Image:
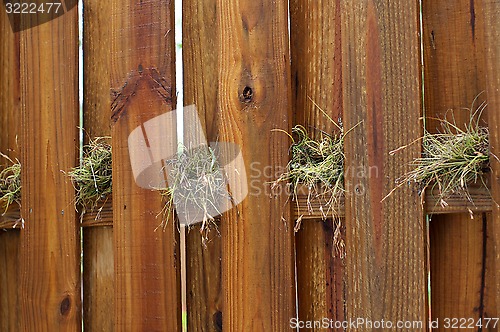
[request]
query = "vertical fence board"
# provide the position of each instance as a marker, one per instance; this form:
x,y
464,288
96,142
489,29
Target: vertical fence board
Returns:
x,y
200,58
10,123
492,54
386,265
453,78
317,76
98,254
49,282
9,300
147,280
456,262
254,99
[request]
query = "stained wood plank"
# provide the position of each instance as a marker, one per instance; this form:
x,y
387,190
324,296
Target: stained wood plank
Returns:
x,y
253,99
98,253
386,245
203,277
10,123
452,79
147,280
317,76
492,69
9,299
200,59
49,282
456,293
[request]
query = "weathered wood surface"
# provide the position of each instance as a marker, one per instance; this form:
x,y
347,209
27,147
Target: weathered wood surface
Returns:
x,y
49,273
386,247
98,253
147,269
10,123
317,79
452,80
253,99
200,57
492,69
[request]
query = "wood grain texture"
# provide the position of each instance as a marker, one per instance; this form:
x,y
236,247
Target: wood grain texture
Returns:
x,y
147,279
203,277
10,123
316,66
455,291
492,63
98,253
386,247
200,59
9,277
49,282
452,79
254,99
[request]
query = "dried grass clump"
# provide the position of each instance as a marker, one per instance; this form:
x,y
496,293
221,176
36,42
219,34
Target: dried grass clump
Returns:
x,y
10,184
93,178
451,159
317,164
196,184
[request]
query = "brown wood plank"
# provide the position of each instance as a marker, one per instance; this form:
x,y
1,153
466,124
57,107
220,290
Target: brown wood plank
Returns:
x,y
386,247
200,58
9,278
49,283
455,291
203,277
147,279
317,76
254,99
10,123
98,253
452,79
492,69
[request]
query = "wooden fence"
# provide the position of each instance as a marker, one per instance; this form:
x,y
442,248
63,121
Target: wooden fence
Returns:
x,y
249,72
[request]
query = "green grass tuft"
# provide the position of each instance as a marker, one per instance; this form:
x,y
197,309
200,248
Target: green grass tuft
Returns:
x,y
10,184
317,164
451,159
93,178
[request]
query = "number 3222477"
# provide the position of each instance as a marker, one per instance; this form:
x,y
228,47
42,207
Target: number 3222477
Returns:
x,y
464,323
32,8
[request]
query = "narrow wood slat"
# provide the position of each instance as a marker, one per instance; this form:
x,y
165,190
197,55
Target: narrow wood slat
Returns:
x,y
254,99
147,279
98,253
317,79
49,282
452,80
10,127
386,247
200,60
492,69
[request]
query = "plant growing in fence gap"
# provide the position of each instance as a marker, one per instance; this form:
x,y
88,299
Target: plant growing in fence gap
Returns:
x,y
10,183
10,192
93,178
452,159
197,187
317,165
